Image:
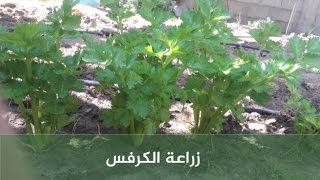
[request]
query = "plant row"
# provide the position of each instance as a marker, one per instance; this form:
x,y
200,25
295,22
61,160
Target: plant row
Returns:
x,y
145,65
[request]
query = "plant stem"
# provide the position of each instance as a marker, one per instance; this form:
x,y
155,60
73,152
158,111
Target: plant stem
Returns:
x,y
132,129
139,136
29,69
40,109
262,49
203,122
37,125
216,117
26,117
120,25
196,120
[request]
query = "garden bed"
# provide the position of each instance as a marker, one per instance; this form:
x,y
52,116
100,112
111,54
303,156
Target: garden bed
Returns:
x,y
88,121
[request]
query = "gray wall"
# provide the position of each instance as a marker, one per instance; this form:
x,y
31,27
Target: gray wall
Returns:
x,y
305,15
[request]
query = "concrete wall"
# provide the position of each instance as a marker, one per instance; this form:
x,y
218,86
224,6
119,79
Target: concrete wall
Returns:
x,y
305,15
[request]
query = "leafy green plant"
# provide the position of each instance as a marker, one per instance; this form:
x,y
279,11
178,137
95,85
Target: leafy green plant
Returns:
x,y
220,83
139,63
306,54
248,75
229,81
120,10
33,68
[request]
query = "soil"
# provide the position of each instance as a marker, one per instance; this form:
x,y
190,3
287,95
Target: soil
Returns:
x,y
93,103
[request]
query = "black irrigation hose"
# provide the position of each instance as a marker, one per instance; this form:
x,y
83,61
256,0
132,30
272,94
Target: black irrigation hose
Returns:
x,y
94,33
262,111
246,46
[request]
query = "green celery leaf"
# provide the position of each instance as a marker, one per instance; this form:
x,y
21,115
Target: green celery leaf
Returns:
x,y
105,74
297,46
133,79
261,97
139,105
313,46
54,107
16,89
